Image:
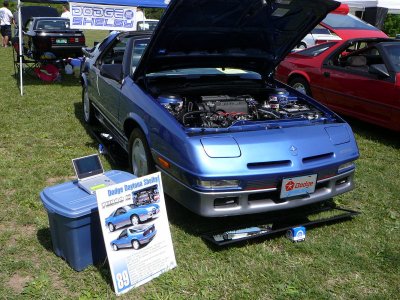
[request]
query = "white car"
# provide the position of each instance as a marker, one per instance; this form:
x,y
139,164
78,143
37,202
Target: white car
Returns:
x,y
317,36
148,24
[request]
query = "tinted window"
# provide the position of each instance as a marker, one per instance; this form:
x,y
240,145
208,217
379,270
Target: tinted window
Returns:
x,y
138,49
52,24
115,54
346,21
316,50
146,25
393,52
320,30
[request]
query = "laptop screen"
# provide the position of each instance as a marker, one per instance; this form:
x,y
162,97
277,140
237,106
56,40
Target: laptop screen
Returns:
x,y
87,166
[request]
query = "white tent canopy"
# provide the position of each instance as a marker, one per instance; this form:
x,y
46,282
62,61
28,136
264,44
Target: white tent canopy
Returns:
x,y
360,4
392,5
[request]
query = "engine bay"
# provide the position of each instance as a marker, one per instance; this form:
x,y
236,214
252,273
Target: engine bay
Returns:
x,y
225,110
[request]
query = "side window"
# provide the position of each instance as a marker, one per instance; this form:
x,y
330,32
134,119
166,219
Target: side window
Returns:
x,y
139,46
28,25
115,54
358,57
316,50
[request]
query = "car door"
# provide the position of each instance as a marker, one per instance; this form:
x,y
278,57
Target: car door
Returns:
x,y
123,239
350,88
130,94
108,90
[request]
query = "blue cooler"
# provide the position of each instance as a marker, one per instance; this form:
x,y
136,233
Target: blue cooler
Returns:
x,y
74,222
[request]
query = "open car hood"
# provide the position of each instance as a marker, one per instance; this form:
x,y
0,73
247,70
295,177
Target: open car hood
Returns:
x,y
253,35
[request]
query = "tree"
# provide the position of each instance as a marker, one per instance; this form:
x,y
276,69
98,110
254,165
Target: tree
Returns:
x,y
392,25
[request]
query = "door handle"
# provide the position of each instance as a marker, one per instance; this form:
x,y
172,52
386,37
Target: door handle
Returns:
x,y
327,74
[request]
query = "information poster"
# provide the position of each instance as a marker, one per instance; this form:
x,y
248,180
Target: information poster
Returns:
x,y
136,231
103,17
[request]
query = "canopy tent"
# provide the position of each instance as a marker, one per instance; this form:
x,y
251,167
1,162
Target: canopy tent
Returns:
x,y
392,5
360,4
136,3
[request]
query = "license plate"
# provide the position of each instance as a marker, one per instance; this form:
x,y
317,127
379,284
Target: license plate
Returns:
x,y
297,186
61,41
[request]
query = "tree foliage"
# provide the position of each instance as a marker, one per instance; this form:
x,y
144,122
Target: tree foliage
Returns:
x,y
392,25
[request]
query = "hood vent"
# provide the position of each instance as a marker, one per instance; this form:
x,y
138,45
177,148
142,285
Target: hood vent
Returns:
x,y
269,164
317,158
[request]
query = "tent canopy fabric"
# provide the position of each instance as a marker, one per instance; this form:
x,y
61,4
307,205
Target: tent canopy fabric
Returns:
x,y
140,3
392,5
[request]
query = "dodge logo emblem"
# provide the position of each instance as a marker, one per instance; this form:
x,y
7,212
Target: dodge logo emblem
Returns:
x,y
293,150
289,185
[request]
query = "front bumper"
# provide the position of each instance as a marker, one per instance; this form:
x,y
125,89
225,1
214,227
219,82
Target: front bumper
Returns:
x,y
213,204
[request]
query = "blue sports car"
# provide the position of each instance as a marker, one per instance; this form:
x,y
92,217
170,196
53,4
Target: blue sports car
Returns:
x,y
131,215
134,237
197,100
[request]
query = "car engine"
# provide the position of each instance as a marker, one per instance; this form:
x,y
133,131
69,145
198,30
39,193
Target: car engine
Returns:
x,y
222,111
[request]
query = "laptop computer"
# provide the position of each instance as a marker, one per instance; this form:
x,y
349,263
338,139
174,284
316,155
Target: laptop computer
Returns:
x,y
90,173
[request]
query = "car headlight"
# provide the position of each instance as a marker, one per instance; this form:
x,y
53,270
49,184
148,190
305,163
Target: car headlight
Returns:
x,y
346,166
217,184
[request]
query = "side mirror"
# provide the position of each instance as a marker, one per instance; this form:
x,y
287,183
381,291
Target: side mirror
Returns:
x,y
379,70
112,71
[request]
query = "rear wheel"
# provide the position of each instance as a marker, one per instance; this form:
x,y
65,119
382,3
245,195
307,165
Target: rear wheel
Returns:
x,y
301,46
88,110
134,220
140,159
135,244
300,84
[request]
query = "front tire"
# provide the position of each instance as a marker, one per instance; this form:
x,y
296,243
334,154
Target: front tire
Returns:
x,y
111,227
115,247
140,160
88,110
300,84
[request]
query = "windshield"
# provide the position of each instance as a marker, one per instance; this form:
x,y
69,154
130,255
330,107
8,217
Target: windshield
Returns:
x,y
52,24
346,21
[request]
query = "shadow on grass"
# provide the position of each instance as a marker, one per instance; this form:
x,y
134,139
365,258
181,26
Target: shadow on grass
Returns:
x,y
375,133
30,79
198,226
44,238
116,157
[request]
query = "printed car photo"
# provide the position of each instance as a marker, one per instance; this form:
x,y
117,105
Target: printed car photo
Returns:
x,y
131,215
146,196
134,237
356,77
197,100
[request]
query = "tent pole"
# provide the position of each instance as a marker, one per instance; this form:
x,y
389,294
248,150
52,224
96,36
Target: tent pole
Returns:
x,y
20,48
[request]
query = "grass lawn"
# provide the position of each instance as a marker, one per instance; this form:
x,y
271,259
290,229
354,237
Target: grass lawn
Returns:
x,y
42,131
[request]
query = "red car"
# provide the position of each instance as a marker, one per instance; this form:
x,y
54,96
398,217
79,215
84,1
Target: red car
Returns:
x,y
359,77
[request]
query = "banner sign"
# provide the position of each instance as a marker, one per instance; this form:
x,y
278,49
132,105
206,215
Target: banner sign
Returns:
x,y
96,16
136,231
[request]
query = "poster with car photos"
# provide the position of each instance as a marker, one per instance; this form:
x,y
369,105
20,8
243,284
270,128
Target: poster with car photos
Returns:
x,y
136,231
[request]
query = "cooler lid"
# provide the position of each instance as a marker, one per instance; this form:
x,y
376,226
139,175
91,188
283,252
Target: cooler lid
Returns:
x,y
69,200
